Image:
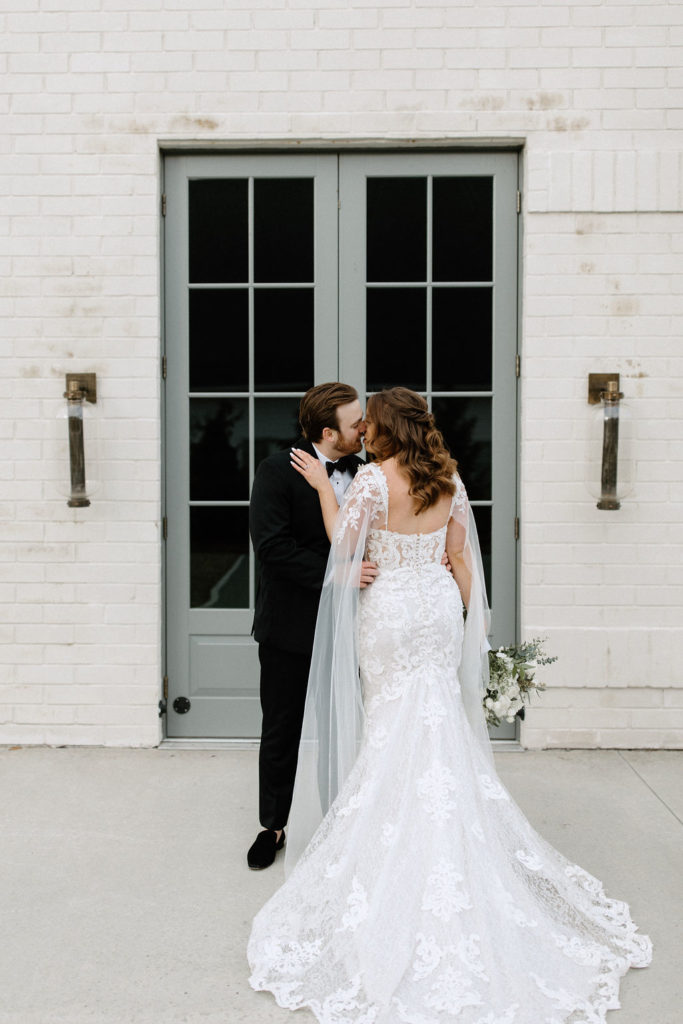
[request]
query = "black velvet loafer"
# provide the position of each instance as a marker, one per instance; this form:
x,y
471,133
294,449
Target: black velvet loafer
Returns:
x,y
262,851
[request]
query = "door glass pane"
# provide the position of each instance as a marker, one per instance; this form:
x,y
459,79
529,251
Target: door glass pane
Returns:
x,y
462,225
482,519
219,557
218,247
283,339
461,339
397,229
276,425
219,449
396,338
466,426
283,229
219,339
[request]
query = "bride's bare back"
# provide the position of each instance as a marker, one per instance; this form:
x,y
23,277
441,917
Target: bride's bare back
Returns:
x,y
402,518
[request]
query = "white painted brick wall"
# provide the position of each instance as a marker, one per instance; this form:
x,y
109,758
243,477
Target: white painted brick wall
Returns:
x,y
92,87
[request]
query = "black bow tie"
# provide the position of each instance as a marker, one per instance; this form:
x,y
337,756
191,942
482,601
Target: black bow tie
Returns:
x,y
347,462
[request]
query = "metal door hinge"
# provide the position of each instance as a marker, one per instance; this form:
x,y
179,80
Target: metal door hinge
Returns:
x,y
516,527
518,366
519,201
164,367
163,703
164,532
163,204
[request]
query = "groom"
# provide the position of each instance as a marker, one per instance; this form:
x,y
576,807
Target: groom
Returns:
x,y
291,546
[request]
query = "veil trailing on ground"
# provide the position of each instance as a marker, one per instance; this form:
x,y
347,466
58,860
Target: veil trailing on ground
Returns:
x,y
334,717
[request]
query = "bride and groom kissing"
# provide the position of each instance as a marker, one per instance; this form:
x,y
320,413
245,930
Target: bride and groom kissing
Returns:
x,y
416,890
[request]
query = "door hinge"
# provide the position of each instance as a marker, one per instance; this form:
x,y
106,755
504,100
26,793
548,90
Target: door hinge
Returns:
x,y
519,201
164,528
163,703
516,527
164,367
518,365
163,204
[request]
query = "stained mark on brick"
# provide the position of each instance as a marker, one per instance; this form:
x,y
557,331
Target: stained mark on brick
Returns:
x,y
587,225
484,103
563,124
185,123
624,305
545,101
635,371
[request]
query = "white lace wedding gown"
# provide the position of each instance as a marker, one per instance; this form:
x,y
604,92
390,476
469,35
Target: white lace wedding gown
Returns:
x,y
425,896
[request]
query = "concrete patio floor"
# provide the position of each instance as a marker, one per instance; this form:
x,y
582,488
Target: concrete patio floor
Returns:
x,y
125,897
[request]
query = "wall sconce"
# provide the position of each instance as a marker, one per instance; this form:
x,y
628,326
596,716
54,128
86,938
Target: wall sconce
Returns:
x,y
610,465
81,436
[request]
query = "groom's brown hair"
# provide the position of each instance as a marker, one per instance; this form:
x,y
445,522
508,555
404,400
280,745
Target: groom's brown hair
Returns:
x,y
319,406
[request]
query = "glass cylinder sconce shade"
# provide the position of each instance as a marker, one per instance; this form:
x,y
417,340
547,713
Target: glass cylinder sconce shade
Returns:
x,y
77,444
610,465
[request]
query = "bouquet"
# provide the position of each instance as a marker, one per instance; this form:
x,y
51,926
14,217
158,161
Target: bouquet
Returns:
x,y
511,671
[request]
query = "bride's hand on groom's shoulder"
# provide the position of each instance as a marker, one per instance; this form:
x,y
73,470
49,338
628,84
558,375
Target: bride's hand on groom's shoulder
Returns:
x,y
310,468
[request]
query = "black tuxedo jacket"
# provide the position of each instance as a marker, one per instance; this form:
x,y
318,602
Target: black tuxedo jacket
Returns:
x,y
288,534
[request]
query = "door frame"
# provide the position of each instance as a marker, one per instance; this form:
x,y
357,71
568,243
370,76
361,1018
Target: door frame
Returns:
x,y
513,145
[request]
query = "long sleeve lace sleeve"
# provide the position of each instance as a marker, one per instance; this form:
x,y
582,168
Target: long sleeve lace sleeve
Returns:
x,y
334,715
364,508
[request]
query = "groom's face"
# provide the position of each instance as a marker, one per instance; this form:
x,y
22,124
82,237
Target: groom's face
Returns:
x,y
348,439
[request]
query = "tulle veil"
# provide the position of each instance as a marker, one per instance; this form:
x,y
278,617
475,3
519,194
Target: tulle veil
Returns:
x,y
334,718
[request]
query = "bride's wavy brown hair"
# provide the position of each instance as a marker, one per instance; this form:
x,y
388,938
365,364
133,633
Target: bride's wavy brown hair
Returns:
x,y
405,429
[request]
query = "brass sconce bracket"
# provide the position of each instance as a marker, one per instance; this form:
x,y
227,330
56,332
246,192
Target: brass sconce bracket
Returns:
x,y
597,383
85,383
80,388
604,387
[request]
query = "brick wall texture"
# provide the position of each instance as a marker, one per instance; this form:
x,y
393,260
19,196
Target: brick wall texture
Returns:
x,y
93,89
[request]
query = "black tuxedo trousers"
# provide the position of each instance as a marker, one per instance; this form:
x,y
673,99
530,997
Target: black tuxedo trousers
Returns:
x,y
291,546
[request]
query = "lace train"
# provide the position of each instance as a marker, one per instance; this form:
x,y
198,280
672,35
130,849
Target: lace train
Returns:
x,y
425,895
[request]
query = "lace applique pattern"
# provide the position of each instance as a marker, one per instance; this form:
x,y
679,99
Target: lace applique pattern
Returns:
x,y
452,991
434,789
336,1009
493,790
433,712
366,493
530,860
460,497
354,801
444,894
478,831
357,902
427,957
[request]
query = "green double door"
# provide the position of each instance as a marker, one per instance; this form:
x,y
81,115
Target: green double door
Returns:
x,y
282,271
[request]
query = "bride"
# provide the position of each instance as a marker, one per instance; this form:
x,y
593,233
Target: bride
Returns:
x,y
416,889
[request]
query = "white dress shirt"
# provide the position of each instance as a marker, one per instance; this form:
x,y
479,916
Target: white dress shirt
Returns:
x,y
340,481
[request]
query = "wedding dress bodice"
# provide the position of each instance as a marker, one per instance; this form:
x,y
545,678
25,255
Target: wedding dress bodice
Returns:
x,y
393,550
